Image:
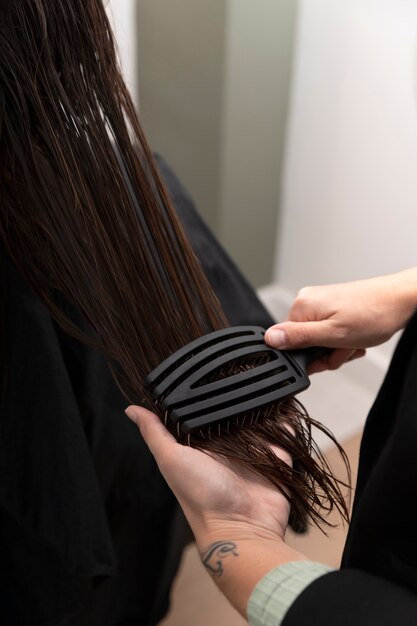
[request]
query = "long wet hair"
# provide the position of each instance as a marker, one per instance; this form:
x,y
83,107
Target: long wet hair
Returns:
x,y
86,218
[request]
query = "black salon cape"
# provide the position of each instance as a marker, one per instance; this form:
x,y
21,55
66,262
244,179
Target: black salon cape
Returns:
x,y
377,585
88,527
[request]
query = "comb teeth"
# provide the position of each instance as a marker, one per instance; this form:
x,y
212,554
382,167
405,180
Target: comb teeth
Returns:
x,y
178,383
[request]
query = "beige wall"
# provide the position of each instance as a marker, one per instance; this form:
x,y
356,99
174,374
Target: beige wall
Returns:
x,y
258,69
213,91
181,52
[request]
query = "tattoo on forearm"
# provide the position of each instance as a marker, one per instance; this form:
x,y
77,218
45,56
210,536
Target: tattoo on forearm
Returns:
x,y
212,558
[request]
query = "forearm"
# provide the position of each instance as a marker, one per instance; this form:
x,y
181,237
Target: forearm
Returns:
x,y
404,292
238,562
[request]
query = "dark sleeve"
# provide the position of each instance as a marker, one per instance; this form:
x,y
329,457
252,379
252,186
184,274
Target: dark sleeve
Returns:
x,y
353,598
237,297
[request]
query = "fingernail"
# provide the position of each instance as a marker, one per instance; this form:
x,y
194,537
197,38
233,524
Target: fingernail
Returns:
x,y
276,338
131,414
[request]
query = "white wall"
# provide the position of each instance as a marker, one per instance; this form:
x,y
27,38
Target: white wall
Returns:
x,y
349,202
122,14
349,207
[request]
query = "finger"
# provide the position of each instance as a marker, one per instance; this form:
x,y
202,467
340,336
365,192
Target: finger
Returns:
x,y
290,335
338,357
156,436
330,362
335,360
317,367
358,354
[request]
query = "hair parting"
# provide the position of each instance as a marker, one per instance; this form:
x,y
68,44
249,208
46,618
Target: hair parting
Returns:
x,y
86,218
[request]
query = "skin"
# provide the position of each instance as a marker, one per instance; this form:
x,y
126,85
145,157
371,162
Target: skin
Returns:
x,y
348,317
239,521
225,506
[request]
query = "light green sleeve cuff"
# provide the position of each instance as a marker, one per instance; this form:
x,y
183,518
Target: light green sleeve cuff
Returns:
x,y
274,594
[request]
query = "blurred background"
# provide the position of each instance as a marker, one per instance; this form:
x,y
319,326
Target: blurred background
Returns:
x,y
293,125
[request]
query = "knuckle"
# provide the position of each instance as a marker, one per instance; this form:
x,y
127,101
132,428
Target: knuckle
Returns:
x,y
303,294
303,304
299,304
306,290
340,331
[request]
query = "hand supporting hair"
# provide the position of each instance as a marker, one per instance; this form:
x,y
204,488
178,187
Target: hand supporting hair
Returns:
x,y
238,520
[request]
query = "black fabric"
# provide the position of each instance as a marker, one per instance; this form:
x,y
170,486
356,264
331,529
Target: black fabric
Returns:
x,y
381,547
382,535
353,598
90,535
236,296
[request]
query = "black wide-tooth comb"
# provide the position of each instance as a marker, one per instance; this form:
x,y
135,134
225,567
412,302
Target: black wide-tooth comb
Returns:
x,y
185,388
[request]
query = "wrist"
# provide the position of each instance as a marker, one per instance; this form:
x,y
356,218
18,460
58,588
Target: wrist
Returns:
x,y
408,290
237,562
212,529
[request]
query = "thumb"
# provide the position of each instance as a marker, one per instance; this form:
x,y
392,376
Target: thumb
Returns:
x,y
156,436
292,335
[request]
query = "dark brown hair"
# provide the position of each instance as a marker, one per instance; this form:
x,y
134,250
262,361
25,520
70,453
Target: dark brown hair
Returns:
x,y
86,218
